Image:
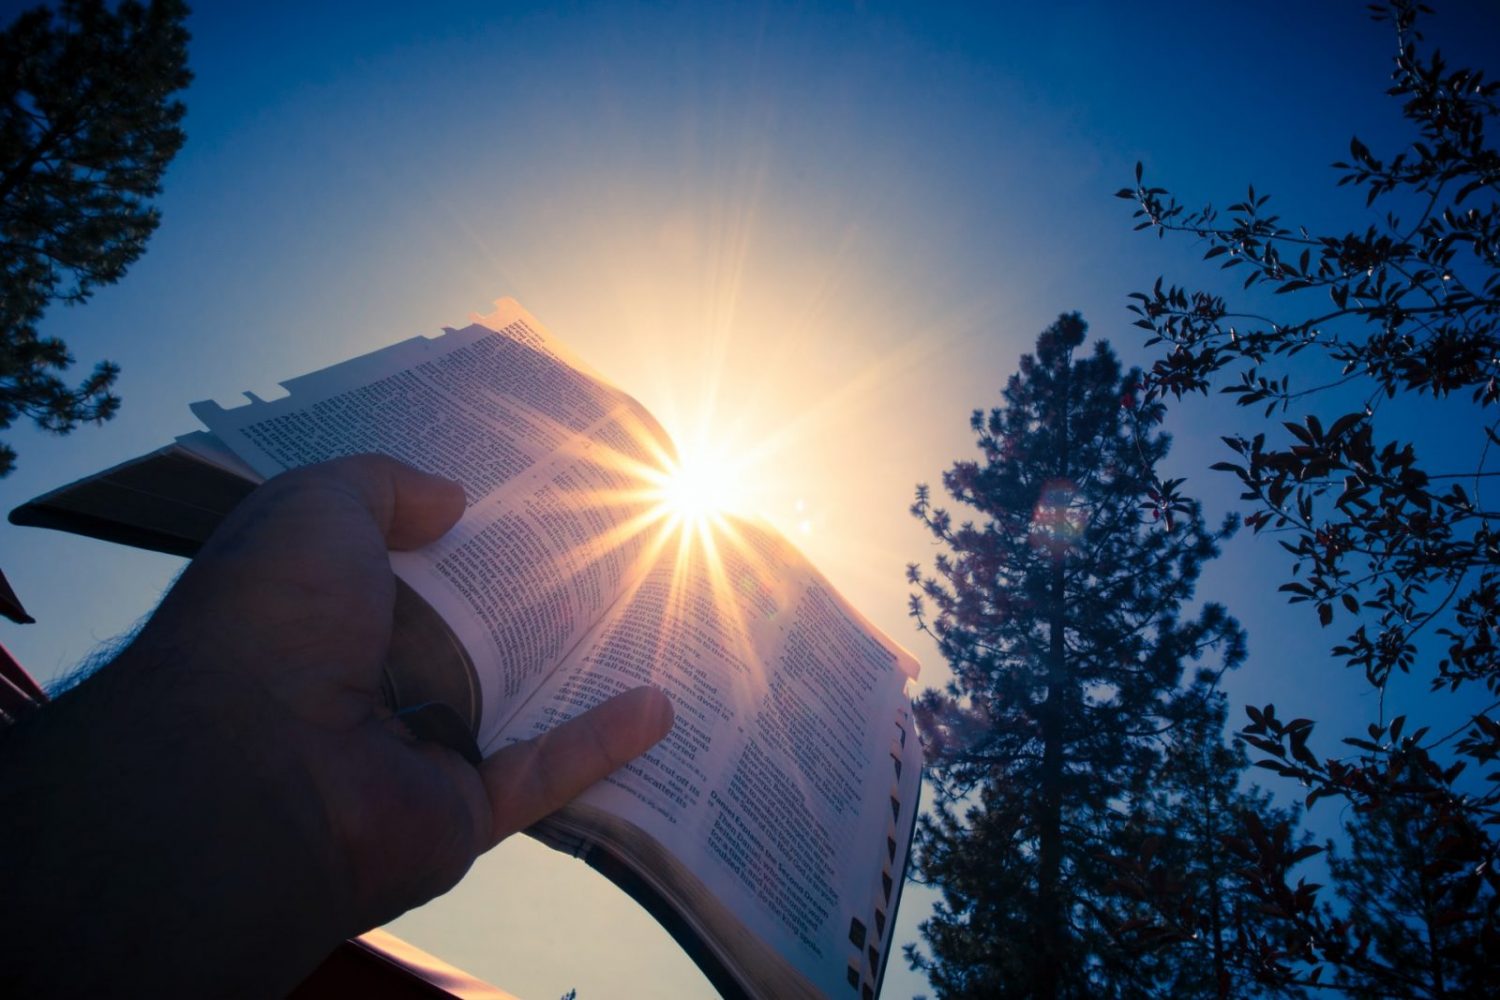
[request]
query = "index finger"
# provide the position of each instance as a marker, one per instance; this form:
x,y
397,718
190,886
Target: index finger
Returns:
x,y
529,780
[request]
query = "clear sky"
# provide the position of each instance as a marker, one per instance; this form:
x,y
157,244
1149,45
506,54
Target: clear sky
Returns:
x,y
818,233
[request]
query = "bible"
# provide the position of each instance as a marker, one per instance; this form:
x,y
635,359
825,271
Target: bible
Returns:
x,y
769,831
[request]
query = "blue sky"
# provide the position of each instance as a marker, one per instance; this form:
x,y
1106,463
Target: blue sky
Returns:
x,y
834,226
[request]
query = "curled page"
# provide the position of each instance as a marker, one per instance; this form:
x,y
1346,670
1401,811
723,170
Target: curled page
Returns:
x,y
556,465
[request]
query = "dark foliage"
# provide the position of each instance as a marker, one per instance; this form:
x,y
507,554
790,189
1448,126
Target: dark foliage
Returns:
x,y
1184,861
1402,901
88,125
1060,611
1404,305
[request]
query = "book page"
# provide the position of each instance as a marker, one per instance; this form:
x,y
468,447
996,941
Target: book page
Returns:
x,y
556,464
788,782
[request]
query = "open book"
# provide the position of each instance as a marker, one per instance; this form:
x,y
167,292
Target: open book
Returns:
x,y
769,831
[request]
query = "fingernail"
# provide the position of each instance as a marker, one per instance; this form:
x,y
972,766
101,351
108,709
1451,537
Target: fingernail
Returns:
x,y
662,714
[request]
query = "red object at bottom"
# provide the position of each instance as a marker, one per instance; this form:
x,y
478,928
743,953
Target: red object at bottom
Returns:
x,y
380,966
19,694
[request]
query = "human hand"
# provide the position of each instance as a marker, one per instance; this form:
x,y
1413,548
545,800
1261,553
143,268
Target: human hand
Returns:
x,y
262,668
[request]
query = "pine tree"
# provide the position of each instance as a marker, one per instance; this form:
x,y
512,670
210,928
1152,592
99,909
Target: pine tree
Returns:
x,y
88,125
1060,611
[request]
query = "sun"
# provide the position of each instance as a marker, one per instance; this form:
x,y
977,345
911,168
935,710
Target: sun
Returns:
x,y
700,487
695,491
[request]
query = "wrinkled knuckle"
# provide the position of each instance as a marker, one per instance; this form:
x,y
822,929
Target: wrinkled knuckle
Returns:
x,y
606,750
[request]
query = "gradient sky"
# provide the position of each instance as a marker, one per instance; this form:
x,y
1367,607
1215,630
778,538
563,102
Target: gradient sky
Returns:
x,y
819,232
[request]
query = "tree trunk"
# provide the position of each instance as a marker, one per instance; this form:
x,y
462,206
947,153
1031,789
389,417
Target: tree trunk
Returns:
x,y
1216,918
1434,960
1049,870
1052,932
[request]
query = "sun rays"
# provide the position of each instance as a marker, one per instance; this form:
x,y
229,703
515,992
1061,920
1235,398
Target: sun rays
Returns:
x,y
666,509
